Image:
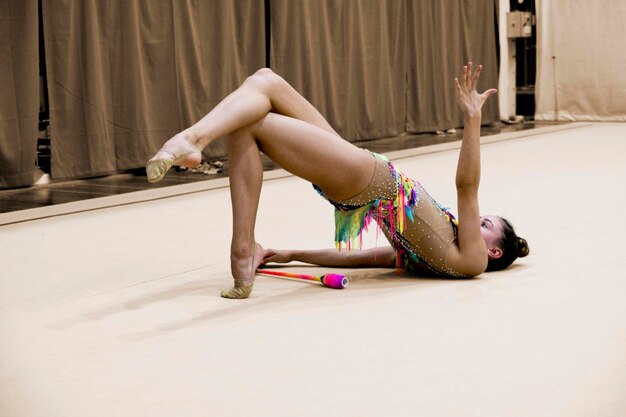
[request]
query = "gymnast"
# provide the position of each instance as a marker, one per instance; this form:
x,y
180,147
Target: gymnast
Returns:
x,y
265,114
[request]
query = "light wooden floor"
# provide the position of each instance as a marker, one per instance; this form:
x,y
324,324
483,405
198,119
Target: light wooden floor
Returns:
x,y
116,311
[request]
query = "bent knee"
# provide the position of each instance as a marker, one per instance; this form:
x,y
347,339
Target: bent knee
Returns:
x,y
264,72
264,79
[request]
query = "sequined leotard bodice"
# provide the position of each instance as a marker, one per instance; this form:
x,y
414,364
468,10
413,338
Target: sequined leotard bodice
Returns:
x,y
420,230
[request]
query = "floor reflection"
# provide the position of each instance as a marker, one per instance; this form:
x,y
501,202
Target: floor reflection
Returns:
x,y
65,192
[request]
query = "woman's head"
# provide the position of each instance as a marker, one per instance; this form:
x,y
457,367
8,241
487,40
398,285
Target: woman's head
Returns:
x,y
503,245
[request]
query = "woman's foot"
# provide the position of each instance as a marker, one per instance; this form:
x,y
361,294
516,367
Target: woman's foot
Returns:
x,y
179,150
245,270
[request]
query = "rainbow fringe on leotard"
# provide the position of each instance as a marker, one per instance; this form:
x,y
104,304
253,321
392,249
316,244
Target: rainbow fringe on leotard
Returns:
x,y
353,219
351,223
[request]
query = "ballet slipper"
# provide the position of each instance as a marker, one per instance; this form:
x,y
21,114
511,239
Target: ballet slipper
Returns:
x,y
177,151
239,291
243,286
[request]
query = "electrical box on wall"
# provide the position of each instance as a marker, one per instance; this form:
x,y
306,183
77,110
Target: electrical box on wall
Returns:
x,y
518,25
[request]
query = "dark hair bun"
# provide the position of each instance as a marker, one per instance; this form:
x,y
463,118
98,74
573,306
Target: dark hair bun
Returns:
x,y
522,246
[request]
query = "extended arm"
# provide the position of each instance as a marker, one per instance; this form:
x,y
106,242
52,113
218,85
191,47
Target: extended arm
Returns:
x,y
472,256
383,257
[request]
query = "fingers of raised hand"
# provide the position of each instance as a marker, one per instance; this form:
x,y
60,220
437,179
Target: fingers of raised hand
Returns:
x,y
475,76
467,69
469,78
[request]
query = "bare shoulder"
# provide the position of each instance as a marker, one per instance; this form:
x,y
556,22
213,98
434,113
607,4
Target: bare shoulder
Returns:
x,y
470,262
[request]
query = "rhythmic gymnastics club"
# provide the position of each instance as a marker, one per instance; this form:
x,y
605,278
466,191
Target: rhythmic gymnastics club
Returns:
x,y
329,280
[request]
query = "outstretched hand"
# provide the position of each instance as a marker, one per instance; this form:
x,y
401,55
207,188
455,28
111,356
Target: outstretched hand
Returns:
x,y
276,256
466,95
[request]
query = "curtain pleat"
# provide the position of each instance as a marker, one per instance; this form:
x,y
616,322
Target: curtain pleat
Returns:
x,y
442,36
347,58
376,52
125,76
19,101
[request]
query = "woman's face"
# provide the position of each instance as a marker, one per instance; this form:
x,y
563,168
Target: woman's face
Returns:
x,y
491,228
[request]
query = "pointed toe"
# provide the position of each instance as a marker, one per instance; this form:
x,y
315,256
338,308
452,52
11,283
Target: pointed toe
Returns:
x,y
156,169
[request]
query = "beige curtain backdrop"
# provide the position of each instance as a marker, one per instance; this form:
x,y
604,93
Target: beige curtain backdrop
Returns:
x,y
381,68
347,58
124,76
442,36
581,57
19,100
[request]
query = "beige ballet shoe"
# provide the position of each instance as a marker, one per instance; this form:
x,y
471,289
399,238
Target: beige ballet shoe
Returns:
x,y
243,286
156,168
239,291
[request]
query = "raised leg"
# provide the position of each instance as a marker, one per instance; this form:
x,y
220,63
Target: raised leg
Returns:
x,y
261,93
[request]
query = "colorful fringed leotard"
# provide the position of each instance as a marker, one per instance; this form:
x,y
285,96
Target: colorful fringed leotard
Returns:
x,y
420,230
